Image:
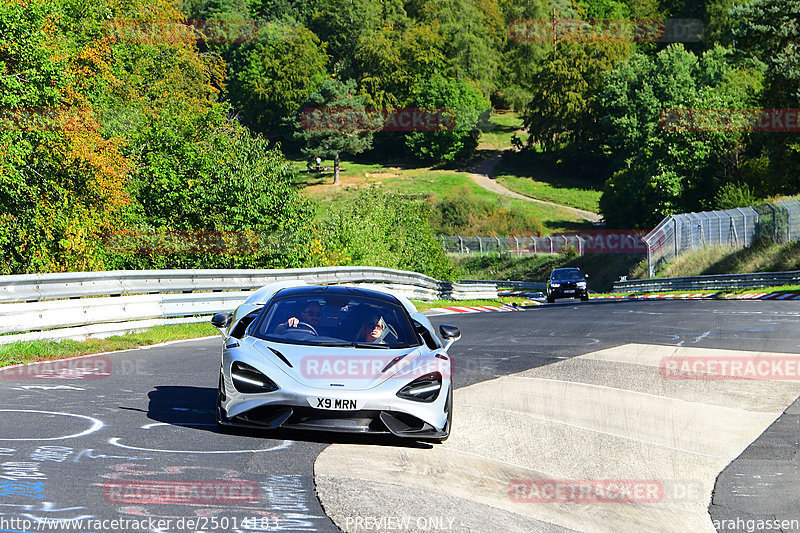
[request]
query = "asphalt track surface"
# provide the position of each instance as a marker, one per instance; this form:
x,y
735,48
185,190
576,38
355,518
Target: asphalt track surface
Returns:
x,y
137,439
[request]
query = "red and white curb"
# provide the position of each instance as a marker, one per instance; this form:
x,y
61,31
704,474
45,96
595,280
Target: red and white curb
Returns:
x,y
706,296
460,310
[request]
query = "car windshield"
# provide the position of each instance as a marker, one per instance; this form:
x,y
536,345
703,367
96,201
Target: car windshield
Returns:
x,y
566,275
335,320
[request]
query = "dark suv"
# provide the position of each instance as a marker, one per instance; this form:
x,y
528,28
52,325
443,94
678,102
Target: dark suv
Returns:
x,y
567,283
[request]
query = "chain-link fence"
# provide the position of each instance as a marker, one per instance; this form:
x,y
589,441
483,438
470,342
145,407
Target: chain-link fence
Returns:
x,y
590,241
737,228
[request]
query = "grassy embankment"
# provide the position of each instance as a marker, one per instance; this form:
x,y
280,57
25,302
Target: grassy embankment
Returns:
x,y
27,352
440,184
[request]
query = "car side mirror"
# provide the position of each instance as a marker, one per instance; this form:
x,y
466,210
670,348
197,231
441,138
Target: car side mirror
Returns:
x,y
450,334
221,320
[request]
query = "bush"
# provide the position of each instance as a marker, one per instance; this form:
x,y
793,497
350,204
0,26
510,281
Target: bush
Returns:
x,y
463,213
733,195
379,228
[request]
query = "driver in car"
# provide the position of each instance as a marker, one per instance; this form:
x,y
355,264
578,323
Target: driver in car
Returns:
x,y
311,315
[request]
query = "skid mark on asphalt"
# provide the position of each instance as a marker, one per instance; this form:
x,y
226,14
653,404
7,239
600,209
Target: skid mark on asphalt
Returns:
x,y
603,416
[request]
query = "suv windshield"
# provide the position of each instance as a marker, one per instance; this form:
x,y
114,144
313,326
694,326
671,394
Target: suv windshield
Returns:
x,y
334,320
566,275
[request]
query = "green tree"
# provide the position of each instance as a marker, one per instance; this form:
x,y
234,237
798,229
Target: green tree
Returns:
x,y
271,78
334,121
565,107
462,106
670,147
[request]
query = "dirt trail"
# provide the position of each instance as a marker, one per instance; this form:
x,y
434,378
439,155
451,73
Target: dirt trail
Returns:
x,y
480,174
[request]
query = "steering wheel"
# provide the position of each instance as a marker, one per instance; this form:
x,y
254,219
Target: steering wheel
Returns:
x,y
307,327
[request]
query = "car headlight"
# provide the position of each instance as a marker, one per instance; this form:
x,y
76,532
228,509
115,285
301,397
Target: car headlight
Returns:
x,y
248,380
424,389
555,284
582,284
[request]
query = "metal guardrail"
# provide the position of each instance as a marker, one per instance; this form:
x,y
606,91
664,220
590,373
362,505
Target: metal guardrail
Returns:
x,y
74,305
502,284
716,283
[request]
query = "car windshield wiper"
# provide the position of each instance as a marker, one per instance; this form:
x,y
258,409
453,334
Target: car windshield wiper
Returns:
x,y
330,343
370,345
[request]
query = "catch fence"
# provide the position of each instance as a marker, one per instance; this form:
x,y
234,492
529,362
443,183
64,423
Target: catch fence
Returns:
x,y
737,228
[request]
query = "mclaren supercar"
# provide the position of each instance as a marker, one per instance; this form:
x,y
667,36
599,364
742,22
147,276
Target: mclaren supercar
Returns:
x,y
334,358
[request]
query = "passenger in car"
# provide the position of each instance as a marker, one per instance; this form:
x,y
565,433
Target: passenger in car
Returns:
x,y
373,330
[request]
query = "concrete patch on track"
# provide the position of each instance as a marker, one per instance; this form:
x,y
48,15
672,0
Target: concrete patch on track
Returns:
x,y
549,448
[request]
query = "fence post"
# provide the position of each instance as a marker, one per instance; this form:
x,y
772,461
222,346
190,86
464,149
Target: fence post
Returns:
x,y
461,244
499,248
677,236
517,241
480,245
774,223
534,244
550,238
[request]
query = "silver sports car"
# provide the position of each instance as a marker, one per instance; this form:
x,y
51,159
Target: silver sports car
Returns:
x,y
334,358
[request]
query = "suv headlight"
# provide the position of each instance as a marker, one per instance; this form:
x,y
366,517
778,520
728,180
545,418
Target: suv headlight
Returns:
x,y
555,284
582,284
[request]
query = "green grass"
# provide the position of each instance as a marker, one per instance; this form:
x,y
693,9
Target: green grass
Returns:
x,y
28,352
533,174
425,305
559,193
502,128
427,182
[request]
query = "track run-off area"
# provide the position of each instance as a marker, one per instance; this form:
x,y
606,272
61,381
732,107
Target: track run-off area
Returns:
x,y
573,416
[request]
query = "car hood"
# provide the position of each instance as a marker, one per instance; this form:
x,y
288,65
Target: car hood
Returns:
x,y
335,368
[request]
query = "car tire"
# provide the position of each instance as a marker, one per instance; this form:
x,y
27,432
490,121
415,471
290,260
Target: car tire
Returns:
x,y
550,299
221,415
585,298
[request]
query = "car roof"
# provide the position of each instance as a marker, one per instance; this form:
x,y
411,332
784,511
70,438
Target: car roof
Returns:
x,y
336,290
566,269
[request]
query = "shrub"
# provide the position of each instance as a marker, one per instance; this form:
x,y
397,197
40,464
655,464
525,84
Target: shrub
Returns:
x,y
733,195
379,228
